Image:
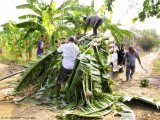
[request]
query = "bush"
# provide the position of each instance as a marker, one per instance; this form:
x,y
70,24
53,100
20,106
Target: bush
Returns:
x,y
144,83
146,43
156,64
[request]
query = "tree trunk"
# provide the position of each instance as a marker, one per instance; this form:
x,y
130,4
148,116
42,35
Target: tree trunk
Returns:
x,y
30,55
26,53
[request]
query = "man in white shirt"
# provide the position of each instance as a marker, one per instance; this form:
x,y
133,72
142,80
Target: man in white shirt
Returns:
x,y
69,52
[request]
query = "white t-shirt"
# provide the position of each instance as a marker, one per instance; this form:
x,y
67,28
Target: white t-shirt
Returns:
x,y
70,52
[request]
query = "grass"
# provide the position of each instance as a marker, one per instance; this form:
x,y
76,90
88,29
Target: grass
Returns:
x,y
156,64
7,57
141,53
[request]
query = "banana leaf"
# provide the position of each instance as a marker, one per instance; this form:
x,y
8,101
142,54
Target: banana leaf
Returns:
x,y
145,100
87,92
36,73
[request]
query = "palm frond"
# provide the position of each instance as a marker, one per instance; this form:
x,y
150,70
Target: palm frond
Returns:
x,y
31,16
28,32
29,24
31,7
117,33
149,101
125,112
88,86
64,4
75,8
30,76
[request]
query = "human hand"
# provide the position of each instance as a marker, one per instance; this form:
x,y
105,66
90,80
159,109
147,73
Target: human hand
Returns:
x,y
49,45
121,64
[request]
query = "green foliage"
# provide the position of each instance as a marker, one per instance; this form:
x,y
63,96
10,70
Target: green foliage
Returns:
x,y
9,38
30,6
35,22
146,43
148,40
117,33
88,88
34,73
144,83
55,22
88,75
66,20
150,9
145,40
108,4
156,64
8,57
140,99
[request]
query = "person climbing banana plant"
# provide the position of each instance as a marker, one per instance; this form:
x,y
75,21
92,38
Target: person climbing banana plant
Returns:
x,y
70,52
94,21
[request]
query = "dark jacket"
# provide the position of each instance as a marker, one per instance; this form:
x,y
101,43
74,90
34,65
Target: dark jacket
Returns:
x,y
91,20
94,21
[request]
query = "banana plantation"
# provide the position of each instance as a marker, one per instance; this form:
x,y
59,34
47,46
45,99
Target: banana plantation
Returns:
x,y
88,92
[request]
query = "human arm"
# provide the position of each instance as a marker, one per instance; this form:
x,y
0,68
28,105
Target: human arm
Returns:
x,y
85,29
86,26
139,60
60,49
42,46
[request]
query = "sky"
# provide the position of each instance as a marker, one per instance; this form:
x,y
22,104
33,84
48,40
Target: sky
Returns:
x,y
121,14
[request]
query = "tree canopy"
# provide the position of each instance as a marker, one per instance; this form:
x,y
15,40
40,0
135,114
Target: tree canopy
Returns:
x,y
150,9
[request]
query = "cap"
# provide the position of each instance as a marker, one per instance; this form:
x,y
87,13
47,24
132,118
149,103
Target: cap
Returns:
x,y
71,39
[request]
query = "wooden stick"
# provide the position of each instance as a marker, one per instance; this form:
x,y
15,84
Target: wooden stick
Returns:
x,y
11,75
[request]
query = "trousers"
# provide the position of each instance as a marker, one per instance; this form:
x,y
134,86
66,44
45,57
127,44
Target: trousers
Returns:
x,y
129,71
97,24
64,75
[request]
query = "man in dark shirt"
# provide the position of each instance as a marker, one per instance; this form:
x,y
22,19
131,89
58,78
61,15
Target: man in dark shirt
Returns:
x,y
41,47
94,21
130,57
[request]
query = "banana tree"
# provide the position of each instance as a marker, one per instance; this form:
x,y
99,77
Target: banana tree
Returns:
x,y
51,19
9,36
76,14
32,22
88,89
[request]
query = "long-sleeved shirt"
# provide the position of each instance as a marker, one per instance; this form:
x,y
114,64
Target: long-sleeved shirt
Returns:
x,y
91,20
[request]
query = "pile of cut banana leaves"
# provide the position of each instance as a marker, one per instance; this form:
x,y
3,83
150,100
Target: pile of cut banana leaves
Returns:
x,y
87,92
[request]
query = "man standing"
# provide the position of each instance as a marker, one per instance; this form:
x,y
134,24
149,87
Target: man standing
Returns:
x,y
130,57
94,21
69,52
41,46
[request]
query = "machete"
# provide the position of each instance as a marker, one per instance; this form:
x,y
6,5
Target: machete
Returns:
x,y
144,69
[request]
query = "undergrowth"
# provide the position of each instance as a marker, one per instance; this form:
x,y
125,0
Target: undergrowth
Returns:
x,y
156,64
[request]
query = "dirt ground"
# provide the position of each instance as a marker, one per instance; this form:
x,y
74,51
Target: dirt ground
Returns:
x,y
30,111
